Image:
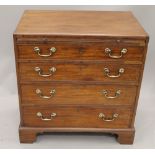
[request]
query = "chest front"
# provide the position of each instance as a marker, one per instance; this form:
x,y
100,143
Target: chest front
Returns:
x,y
79,75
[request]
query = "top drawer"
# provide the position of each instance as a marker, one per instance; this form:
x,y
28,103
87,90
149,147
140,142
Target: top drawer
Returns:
x,y
80,51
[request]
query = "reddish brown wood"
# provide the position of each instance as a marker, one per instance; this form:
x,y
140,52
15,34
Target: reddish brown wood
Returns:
x,y
27,136
77,94
69,116
140,81
124,136
80,59
78,50
79,71
80,23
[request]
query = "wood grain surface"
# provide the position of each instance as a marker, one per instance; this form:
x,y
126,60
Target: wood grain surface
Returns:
x,y
78,94
89,23
69,116
66,71
85,51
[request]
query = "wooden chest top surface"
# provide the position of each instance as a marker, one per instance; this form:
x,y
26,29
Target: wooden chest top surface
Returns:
x,y
80,23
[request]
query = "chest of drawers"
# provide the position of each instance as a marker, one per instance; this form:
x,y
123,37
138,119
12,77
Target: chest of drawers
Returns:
x,y
79,71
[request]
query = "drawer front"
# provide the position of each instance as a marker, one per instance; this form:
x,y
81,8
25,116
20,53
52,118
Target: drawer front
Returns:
x,y
89,51
80,117
43,94
86,72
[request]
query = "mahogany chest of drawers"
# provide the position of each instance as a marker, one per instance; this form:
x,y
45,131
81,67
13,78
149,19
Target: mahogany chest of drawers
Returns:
x,y
79,71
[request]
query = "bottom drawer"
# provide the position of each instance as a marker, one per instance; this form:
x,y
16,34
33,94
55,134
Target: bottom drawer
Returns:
x,y
79,117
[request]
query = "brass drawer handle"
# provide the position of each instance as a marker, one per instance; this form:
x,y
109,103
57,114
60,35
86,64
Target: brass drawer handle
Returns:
x,y
108,119
51,51
117,94
39,93
107,73
109,52
40,72
39,114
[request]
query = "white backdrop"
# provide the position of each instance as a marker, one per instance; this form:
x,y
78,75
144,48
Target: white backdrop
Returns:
x,y
9,17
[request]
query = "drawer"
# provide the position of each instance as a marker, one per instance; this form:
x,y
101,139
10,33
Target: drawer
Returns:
x,y
75,50
83,71
77,94
78,117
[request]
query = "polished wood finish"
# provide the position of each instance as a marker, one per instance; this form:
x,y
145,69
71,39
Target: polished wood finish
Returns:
x,y
79,78
78,50
66,71
84,117
28,134
126,137
96,23
77,94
